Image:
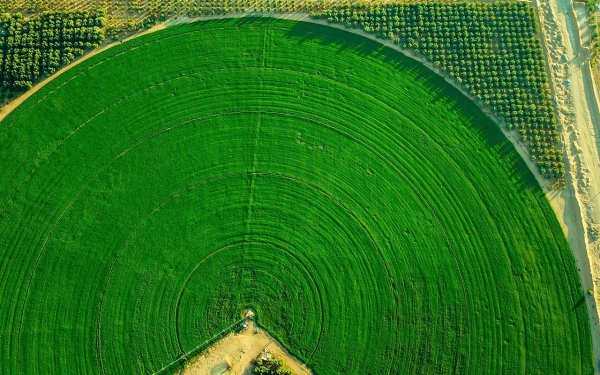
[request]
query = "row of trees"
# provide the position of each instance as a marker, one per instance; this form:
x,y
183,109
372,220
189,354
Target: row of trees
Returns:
x,y
34,47
489,48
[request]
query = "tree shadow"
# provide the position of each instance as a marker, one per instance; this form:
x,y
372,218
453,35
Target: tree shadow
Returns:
x,y
483,126
580,302
452,98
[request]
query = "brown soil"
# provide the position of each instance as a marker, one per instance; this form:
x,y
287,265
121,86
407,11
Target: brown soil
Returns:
x,y
234,354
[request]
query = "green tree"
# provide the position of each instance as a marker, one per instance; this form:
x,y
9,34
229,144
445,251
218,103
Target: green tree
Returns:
x,y
271,366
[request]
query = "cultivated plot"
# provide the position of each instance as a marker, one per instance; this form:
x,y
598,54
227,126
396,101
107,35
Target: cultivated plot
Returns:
x,y
375,219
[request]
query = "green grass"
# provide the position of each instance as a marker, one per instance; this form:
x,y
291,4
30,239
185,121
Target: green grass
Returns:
x,y
472,43
376,220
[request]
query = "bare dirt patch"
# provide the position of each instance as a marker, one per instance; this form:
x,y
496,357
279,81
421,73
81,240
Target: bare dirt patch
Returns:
x,y
234,354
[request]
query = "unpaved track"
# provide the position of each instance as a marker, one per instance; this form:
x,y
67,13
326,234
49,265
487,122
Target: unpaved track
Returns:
x,y
578,207
565,33
15,103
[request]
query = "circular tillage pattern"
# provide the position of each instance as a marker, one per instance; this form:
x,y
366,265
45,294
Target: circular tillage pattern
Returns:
x,y
375,220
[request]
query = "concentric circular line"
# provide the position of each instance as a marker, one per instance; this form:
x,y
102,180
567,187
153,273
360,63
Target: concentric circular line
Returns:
x,y
236,243
183,76
451,185
363,226
312,120
347,134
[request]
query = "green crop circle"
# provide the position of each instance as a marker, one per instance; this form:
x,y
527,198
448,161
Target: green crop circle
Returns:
x,y
373,217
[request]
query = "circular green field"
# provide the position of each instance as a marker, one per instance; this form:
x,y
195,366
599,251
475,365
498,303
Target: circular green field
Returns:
x,y
375,219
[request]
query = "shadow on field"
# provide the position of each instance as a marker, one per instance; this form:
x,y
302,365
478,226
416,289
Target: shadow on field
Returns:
x,y
579,303
484,127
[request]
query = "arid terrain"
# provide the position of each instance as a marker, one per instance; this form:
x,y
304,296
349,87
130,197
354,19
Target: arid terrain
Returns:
x,y
234,354
578,208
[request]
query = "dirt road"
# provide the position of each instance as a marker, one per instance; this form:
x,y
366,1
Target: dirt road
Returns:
x,y
566,35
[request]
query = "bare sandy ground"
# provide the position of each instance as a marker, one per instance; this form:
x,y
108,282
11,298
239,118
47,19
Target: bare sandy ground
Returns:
x,y
233,355
566,37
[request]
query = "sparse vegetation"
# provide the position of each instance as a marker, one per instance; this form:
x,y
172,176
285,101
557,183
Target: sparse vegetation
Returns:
x,y
591,8
271,366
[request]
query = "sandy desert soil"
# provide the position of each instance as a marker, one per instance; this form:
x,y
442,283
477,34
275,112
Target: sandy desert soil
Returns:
x,y
566,35
233,355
